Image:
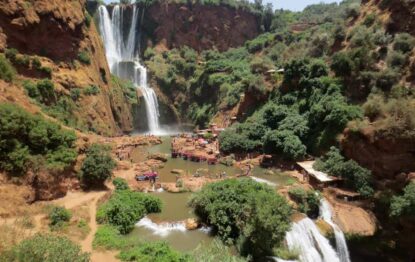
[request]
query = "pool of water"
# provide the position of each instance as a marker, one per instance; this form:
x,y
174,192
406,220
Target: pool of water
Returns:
x,y
169,224
189,167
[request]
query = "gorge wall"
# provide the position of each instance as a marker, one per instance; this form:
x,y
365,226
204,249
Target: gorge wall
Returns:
x,y
58,33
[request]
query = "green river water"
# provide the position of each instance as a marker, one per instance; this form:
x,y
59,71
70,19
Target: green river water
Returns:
x,y
168,225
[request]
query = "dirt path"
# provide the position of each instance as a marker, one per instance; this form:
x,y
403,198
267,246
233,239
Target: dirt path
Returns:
x,y
86,244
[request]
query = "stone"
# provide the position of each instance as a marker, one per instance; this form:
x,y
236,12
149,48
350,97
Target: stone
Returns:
x,y
177,171
158,156
191,224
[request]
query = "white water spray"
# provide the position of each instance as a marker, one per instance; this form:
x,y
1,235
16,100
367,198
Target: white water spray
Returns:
x,y
123,59
263,181
341,245
164,229
312,246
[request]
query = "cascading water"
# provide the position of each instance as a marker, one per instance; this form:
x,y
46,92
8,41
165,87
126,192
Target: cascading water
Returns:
x,y
312,246
341,245
123,59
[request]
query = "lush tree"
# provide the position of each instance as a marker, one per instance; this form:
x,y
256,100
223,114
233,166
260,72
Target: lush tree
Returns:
x,y
97,166
284,143
355,176
7,71
244,212
25,137
125,208
45,248
404,205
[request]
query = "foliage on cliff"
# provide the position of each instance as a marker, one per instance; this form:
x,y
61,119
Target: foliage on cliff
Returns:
x,y
31,142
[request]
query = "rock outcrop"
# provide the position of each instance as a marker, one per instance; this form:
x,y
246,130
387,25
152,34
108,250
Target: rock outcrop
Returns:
x,y
57,32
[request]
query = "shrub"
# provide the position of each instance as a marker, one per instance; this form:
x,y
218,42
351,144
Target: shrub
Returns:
x,y
355,176
45,248
342,64
125,208
397,59
83,57
36,63
97,166
58,215
308,201
11,54
108,237
215,251
22,60
404,205
403,42
120,183
47,93
244,212
91,90
75,94
88,19
7,71
31,89
24,137
285,143
153,251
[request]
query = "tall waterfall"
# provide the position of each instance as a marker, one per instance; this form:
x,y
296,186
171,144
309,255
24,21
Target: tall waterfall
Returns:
x,y
341,245
312,246
123,57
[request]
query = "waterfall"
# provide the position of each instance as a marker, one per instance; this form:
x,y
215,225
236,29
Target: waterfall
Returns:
x,y
123,59
312,246
341,245
164,229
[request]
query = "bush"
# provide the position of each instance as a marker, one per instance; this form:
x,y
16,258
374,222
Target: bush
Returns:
x,y
308,201
58,215
153,252
403,42
7,71
125,208
355,176
31,89
216,251
47,93
24,137
45,248
284,143
91,90
36,63
342,64
244,212
97,166
404,205
120,183
75,94
84,58
11,54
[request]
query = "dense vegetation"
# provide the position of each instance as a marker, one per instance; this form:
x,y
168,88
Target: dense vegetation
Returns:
x,y
97,166
45,248
31,142
125,208
355,176
244,212
308,201
404,205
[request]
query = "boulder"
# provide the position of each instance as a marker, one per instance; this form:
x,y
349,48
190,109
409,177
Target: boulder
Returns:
x,y
191,224
158,156
177,171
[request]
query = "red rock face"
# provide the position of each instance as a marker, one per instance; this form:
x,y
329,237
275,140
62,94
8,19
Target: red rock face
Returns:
x,y
386,157
43,27
201,27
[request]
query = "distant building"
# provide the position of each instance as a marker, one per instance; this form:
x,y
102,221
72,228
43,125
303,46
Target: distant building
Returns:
x,y
314,177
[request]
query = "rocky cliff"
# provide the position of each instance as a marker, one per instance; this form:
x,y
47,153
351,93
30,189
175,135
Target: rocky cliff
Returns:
x,y
62,36
199,26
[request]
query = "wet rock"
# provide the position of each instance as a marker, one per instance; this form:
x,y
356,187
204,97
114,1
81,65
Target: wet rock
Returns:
x,y
191,224
324,228
158,156
177,171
